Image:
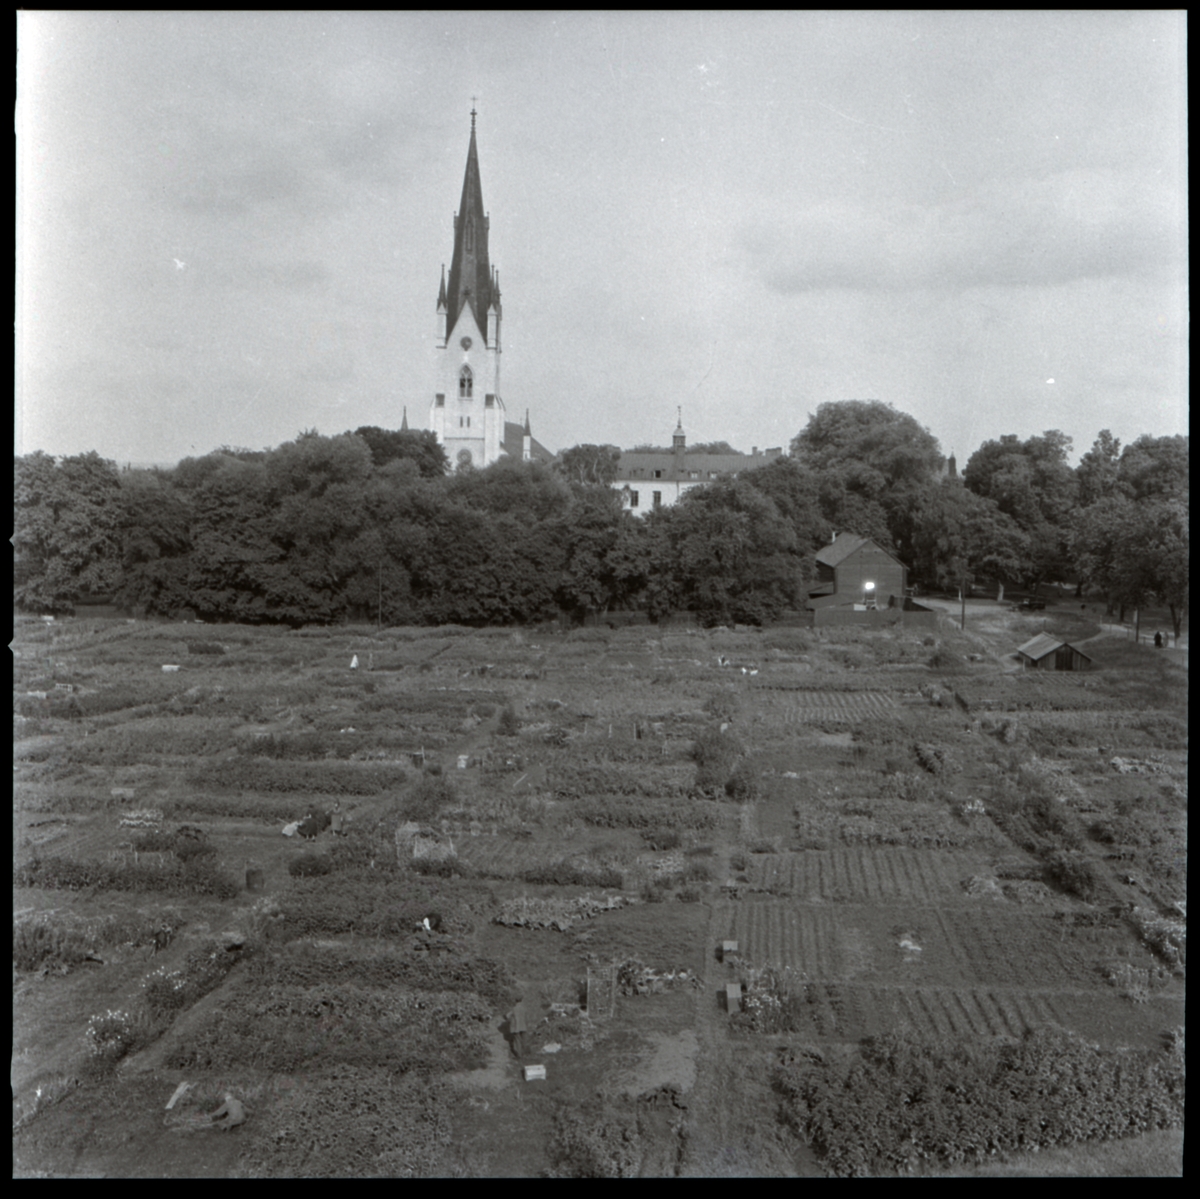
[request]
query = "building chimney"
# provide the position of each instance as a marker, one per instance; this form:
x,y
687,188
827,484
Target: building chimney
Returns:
x,y
833,537
754,451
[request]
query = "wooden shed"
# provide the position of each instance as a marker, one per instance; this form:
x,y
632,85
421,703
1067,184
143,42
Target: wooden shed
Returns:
x,y
1045,652
854,570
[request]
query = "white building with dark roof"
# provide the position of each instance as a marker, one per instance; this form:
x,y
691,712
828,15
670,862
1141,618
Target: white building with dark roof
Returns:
x,y
649,479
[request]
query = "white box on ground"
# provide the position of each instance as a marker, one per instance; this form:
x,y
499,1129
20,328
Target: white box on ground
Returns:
x,y
535,1072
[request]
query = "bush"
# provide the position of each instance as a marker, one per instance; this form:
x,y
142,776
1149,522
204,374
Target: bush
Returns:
x,y
115,1034
308,865
613,812
563,874
510,723
199,876
904,1104
67,940
742,784
1075,874
283,1028
601,1143
323,778
717,752
659,839
205,647
168,992
426,799
354,1123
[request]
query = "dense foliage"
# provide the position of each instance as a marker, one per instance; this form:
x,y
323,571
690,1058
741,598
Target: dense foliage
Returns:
x,y
902,1104
368,525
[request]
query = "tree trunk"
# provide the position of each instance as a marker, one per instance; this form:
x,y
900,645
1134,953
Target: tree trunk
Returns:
x,y
1000,592
1079,591
1176,620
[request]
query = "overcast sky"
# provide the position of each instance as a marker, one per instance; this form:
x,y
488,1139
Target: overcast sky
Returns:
x,y
232,225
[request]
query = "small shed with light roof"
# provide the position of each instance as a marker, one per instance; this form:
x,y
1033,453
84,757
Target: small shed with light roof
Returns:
x,y
1045,652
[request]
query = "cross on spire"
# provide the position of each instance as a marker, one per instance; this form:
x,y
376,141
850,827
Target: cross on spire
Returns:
x,y
473,99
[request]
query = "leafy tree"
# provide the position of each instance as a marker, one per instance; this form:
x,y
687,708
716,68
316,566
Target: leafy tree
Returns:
x,y
66,530
869,450
590,533
589,464
1155,468
713,447
960,538
531,491
156,542
413,445
234,556
1098,469
1031,482
796,495
732,556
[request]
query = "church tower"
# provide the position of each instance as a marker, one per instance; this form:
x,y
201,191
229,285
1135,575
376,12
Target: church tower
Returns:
x,y
467,413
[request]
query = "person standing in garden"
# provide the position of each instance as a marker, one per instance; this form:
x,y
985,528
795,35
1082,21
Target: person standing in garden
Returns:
x,y
518,1025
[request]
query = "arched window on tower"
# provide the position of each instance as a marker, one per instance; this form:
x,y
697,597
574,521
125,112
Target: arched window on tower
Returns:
x,y
465,383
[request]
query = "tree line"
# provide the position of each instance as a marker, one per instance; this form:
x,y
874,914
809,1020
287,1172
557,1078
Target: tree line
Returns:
x,y
370,525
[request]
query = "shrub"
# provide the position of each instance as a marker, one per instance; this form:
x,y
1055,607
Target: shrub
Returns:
x,y
742,784
168,992
717,751
1074,873
354,1123
308,865
510,723
325,778
563,874
724,705
67,940
614,812
199,876
600,1143
946,661
905,1104
115,1034
659,839
205,647
426,799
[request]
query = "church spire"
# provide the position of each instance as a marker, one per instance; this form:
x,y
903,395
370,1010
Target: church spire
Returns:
x,y
404,420
470,271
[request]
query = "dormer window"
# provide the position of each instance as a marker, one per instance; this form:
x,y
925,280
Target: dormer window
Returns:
x,y
465,383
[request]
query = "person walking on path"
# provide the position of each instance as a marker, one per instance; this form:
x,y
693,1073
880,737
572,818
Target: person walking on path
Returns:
x,y
518,1025
337,820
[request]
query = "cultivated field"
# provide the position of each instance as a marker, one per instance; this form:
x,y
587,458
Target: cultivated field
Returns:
x,y
935,867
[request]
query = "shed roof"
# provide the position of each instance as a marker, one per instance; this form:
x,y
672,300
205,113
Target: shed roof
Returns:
x,y
1038,647
843,546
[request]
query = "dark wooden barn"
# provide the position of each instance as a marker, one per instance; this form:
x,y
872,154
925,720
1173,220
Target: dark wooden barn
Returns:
x,y
854,570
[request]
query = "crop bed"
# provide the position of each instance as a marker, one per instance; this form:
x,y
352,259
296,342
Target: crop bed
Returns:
x,y
804,707
855,875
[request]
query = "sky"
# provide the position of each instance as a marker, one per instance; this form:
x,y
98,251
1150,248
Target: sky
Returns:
x,y
231,226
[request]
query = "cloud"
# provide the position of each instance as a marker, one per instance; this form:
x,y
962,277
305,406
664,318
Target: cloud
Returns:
x,y
1069,226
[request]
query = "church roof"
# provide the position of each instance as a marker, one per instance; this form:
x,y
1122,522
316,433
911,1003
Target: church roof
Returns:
x,y
514,443
471,281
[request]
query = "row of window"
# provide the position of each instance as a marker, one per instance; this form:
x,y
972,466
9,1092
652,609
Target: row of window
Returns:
x,y
639,472
656,496
440,399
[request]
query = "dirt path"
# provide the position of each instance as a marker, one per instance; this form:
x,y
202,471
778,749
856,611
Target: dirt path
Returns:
x,y
731,1121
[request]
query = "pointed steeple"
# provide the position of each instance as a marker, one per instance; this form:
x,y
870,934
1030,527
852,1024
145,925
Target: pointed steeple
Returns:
x,y
528,430
470,271
442,290
404,420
